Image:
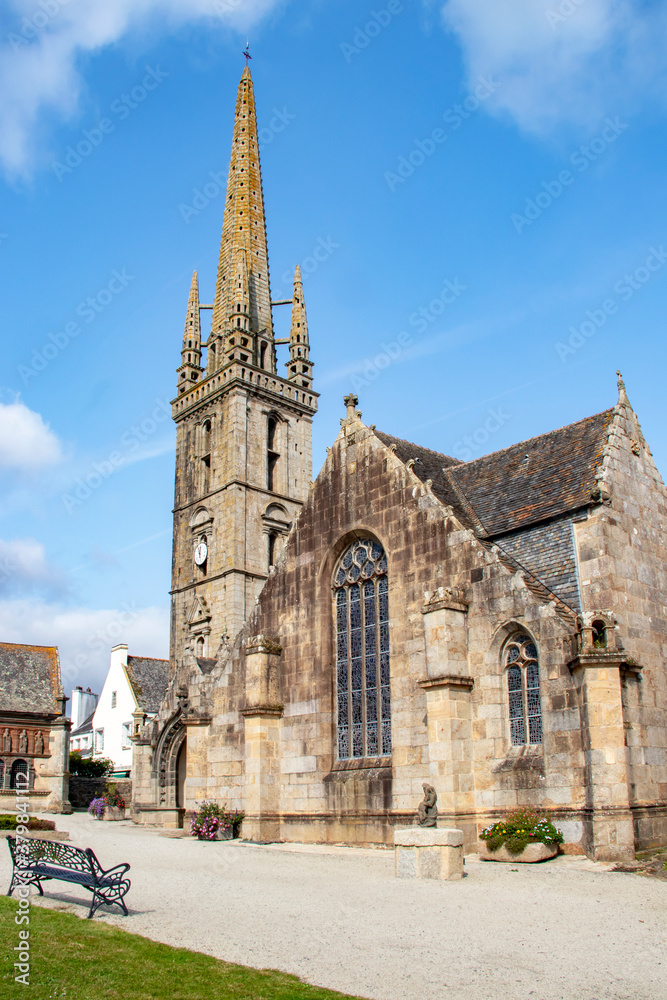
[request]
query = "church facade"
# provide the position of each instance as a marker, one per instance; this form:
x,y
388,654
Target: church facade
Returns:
x,y
496,628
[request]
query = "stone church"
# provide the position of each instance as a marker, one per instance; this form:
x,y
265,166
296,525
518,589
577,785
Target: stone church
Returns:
x,y
495,627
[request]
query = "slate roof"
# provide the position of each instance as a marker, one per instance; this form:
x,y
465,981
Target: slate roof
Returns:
x,y
535,480
29,678
428,465
148,678
85,727
528,483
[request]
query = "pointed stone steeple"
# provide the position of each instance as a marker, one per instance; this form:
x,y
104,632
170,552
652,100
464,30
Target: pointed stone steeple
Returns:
x,y
191,370
244,229
299,367
243,432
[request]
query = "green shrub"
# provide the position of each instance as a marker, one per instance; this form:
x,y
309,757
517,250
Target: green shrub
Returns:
x,y
87,767
520,828
8,822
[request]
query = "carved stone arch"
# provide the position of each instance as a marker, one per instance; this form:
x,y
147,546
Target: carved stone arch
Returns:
x,y
330,558
201,519
170,743
504,631
276,524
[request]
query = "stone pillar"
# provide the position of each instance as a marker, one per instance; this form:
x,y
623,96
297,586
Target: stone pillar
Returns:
x,y
262,715
56,777
449,713
144,784
608,827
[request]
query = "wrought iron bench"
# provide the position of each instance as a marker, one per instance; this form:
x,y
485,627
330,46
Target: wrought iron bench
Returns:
x,y
37,861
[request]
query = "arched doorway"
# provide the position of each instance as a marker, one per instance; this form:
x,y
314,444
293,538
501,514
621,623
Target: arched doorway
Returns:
x,y
171,769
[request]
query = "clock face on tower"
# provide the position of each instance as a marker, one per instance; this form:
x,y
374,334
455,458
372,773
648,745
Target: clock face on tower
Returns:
x,y
201,552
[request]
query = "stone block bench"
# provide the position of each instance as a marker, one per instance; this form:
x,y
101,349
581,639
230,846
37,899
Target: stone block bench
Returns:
x,y
427,852
37,861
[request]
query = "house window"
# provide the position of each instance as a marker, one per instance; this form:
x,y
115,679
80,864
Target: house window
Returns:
x,y
113,699
99,740
361,594
523,688
127,731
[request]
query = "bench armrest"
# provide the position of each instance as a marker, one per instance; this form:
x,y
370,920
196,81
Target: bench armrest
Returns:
x,y
99,872
116,870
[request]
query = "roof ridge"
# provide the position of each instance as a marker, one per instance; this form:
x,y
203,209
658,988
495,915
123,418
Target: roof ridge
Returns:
x,y
423,447
27,645
537,437
158,659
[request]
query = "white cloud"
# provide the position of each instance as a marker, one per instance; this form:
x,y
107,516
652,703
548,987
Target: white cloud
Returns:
x,y
24,566
562,61
85,637
50,38
26,442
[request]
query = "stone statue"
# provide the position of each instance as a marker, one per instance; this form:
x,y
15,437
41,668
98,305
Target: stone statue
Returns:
x,y
428,810
7,742
23,741
39,743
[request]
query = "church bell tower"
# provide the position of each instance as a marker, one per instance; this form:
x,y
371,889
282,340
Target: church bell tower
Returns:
x,y
243,451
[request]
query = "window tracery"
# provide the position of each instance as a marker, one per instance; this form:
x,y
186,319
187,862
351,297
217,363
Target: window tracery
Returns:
x,y
361,593
523,688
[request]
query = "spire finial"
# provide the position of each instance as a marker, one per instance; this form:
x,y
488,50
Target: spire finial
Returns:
x,y
622,395
351,403
247,55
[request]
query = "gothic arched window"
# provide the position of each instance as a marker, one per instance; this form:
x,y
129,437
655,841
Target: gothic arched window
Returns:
x,y
523,688
361,593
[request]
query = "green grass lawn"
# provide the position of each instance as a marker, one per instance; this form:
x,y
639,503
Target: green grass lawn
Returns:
x,y
88,960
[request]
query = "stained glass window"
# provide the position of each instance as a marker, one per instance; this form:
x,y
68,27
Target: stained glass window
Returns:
x,y
523,689
362,651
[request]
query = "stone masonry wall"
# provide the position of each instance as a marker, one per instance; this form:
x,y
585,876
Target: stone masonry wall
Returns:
x,y
622,553
365,490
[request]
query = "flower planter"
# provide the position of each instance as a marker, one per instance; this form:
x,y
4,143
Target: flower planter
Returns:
x,y
112,813
530,854
231,833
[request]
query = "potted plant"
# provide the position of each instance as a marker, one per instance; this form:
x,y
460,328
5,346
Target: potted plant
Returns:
x,y
523,836
211,821
108,807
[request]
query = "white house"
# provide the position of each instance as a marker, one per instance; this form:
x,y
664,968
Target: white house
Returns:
x,y
82,711
133,683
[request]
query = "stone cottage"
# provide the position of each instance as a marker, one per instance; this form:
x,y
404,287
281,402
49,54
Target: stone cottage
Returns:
x,y
34,731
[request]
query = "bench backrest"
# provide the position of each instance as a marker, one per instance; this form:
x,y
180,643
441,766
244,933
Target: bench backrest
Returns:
x,y
26,851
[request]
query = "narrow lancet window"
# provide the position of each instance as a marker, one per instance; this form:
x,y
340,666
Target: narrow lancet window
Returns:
x,y
523,689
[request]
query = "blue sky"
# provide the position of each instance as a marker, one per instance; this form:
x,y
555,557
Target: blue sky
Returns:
x,y
475,190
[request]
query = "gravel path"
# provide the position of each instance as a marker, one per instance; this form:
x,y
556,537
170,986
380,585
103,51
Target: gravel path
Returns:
x,y
565,930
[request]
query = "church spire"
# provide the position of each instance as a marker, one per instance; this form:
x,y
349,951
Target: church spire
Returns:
x,y
244,229
190,369
300,368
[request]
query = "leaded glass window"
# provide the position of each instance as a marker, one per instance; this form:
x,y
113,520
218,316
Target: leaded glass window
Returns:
x,y
523,689
361,593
